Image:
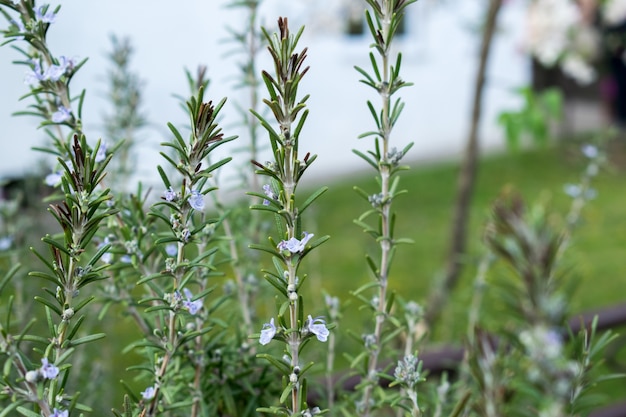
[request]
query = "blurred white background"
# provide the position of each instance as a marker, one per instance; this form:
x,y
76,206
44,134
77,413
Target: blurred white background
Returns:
x,y
440,51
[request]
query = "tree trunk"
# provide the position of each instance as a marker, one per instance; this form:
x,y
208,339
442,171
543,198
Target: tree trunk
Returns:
x,y
466,179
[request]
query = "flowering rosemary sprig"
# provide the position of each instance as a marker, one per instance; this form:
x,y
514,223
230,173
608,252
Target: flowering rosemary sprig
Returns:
x,y
285,173
383,23
179,314
48,76
71,265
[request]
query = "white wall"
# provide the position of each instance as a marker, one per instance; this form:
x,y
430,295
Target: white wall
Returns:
x,y
440,52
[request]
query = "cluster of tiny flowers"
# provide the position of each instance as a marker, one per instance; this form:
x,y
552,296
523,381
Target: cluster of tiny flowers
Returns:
x,y
394,156
369,341
52,72
294,245
542,342
376,200
548,365
408,371
414,310
267,190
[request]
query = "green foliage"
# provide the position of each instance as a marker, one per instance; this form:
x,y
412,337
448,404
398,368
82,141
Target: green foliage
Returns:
x,y
539,112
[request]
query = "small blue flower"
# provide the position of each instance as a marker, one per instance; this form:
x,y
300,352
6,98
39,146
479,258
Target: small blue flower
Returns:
x,y
48,370
196,200
149,393
101,154
267,190
317,326
59,413
5,243
590,151
48,17
53,179
53,73
267,332
294,245
34,75
192,306
171,249
169,195
61,115
126,259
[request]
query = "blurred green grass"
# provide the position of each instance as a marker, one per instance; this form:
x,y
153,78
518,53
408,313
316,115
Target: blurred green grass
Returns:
x,y
595,257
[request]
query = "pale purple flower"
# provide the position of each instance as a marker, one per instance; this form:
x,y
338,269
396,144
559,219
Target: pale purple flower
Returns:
x,y
106,257
149,393
317,326
267,190
66,63
590,151
169,194
59,413
35,75
576,191
126,259
54,178
196,200
171,249
5,243
48,370
48,17
267,332
192,306
294,245
63,114
53,73
101,154
572,190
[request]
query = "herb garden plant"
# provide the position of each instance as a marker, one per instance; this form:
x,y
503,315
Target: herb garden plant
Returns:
x,y
179,263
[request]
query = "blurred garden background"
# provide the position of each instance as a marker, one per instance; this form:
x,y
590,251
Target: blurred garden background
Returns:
x,y
440,42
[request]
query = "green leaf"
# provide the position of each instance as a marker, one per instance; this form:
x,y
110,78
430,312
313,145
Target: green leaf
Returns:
x,y
87,339
279,364
26,412
312,198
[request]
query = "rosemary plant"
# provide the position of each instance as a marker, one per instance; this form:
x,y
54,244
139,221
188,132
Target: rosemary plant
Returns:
x,y
384,78
294,244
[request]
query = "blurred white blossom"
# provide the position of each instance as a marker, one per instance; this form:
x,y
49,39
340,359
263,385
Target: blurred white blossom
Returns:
x,y
558,35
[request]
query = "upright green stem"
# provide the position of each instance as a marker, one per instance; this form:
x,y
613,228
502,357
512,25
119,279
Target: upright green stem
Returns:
x,y
385,242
